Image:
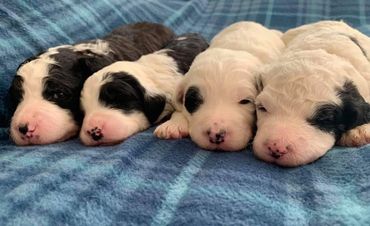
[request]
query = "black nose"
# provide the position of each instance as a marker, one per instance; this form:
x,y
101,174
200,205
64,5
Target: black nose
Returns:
x,y
217,138
23,129
95,134
276,155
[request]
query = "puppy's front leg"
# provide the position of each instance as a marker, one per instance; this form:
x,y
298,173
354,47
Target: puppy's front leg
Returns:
x,y
357,136
175,128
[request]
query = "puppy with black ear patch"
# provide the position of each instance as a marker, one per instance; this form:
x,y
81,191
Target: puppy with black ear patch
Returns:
x,y
316,94
215,101
127,97
45,93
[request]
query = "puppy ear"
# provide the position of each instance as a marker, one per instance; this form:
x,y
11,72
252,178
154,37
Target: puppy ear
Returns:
x,y
88,65
153,107
259,83
356,111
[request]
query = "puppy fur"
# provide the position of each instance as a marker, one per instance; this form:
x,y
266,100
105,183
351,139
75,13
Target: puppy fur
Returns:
x,y
45,92
127,97
215,101
317,93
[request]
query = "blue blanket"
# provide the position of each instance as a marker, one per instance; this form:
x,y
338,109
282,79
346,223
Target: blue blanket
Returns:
x,y
146,181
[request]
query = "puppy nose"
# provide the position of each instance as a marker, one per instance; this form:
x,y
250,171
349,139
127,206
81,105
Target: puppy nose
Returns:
x,y
23,128
278,149
216,137
95,133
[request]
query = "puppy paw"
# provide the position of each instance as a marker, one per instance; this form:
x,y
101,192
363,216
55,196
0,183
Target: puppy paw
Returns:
x,y
356,137
175,128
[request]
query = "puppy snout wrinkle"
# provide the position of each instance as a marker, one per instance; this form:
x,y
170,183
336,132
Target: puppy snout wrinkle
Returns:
x,y
23,128
216,137
95,133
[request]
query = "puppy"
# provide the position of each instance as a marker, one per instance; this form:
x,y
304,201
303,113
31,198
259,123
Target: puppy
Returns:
x,y
127,97
45,92
215,101
317,93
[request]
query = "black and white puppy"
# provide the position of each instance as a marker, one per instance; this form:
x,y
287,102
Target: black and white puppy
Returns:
x,y
45,93
127,97
316,94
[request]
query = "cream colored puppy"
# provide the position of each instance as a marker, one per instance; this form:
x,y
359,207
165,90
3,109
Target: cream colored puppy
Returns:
x,y
215,100
317,93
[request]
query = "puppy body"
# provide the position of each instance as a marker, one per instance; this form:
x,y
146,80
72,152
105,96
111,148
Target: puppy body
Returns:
x,y
317,93
45,92
215,100
335,38
127,97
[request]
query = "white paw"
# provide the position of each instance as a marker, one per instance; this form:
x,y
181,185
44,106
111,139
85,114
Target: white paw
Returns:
x,y
356,137
171,130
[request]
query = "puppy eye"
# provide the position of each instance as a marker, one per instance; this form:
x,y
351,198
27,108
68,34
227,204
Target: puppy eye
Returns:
x,y
245,101
58,95
261,108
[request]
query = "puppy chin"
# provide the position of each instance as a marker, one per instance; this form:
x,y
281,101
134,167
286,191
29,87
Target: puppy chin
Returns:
x,y
298,144
46,123
226,146
111,127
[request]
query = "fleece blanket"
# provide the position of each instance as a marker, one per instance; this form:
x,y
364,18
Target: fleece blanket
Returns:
x,y
146,181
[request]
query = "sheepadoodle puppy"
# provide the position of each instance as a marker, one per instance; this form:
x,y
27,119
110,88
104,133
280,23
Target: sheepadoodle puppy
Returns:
x,y
317,93
45,93
127,97
215,101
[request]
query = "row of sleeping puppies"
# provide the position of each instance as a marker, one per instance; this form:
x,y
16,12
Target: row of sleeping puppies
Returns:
x,y
306,90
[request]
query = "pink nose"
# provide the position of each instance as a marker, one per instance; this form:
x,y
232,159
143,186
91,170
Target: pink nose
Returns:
x,y
278,148
95,133
216,136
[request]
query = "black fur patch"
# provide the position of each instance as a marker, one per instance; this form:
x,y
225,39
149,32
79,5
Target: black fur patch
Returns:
x,y
146,37
16,92
65,80
124,92
185,48
337,119
193,99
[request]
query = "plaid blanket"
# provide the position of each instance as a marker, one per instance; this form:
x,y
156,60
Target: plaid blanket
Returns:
x,y
146,181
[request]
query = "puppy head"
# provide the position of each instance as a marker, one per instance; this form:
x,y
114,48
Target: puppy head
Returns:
x,y
116,106
217,98
45,96
308,100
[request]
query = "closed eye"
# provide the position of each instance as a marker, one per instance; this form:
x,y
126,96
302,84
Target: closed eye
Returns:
x,y
261,108
245,101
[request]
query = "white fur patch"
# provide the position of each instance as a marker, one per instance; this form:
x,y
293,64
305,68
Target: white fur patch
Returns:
x,y
100,47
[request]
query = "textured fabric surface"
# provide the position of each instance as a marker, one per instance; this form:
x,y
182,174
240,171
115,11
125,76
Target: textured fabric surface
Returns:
x,y
146,181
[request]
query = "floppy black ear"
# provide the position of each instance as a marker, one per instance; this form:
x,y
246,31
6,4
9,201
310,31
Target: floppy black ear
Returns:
x,y
88,65
153,106
356,111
